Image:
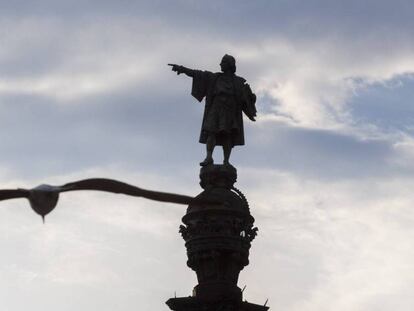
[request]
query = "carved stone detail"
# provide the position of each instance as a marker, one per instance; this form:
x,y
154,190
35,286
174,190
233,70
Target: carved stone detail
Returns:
x,y
218,239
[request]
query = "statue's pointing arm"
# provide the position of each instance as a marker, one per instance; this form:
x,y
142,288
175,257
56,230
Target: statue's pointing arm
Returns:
x,y
181,69
201,80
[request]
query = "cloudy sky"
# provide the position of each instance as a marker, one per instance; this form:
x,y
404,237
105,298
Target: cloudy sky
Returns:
x,y
328,167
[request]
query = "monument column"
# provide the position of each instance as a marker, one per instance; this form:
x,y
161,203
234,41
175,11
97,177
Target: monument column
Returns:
x,y
217,237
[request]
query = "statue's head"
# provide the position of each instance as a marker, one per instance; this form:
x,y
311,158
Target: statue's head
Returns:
x,y
228,63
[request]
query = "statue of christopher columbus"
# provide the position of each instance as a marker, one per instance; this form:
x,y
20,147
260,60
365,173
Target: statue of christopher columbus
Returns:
x,y
227,96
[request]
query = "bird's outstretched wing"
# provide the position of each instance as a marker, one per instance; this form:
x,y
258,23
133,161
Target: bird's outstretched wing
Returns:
x,y
44,198
13,194
114,186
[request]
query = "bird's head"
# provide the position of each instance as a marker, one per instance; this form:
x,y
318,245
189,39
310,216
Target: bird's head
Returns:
x,y
43,199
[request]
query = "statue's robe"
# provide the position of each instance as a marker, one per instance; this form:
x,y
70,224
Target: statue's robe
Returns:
x,y
226,98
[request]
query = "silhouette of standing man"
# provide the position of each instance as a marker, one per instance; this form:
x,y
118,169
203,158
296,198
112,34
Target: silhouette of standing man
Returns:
x,y
227,96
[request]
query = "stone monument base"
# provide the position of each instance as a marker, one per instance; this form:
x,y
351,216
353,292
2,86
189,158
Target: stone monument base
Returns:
x,y
195,304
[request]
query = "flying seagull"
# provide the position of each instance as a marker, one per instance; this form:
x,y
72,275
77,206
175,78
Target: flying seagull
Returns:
x,y
43,198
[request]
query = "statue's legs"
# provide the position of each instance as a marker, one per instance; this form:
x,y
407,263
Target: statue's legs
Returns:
x,y
210,144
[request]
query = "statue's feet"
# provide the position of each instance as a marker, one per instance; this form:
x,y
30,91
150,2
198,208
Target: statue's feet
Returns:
x,y
207,161
226,163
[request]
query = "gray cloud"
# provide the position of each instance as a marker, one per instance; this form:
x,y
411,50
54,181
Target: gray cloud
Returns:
x,y
135,130
95,133
319,153
284,15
